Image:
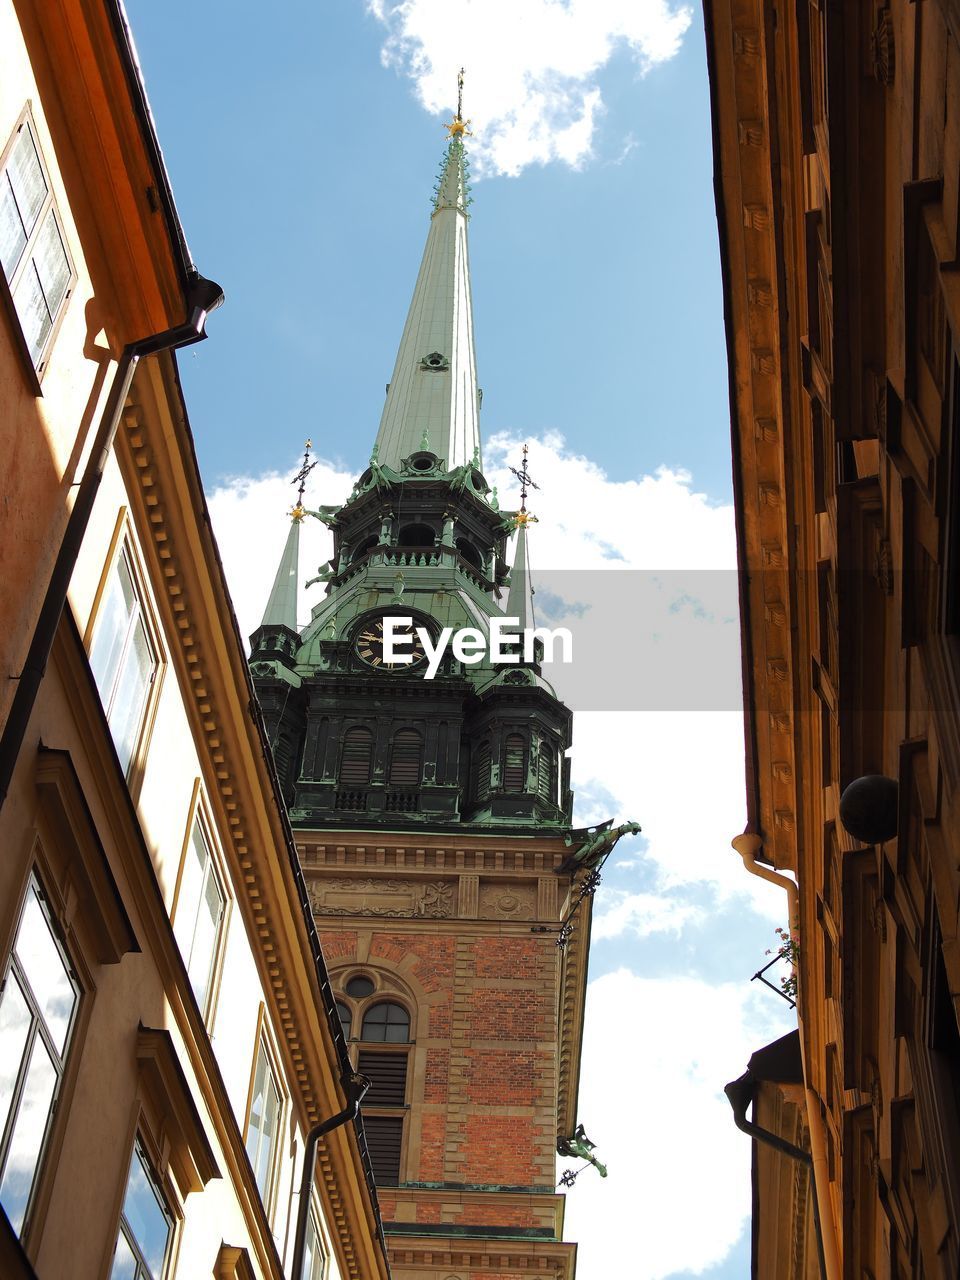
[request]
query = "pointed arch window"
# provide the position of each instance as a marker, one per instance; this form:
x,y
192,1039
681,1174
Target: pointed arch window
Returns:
x,y
346,1018
514,762
406,758
356,759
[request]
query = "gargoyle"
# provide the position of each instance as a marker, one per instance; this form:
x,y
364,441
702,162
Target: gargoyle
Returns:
x,y
579,1147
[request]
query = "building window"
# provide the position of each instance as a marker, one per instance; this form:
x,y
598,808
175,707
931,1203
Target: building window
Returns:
x,y
514,763
406,758
547,772
263,1126
146,1226
38,1005
123,658
36,265
386,1022
346,1019
359,987
314,1255
200,912
356,759
480,782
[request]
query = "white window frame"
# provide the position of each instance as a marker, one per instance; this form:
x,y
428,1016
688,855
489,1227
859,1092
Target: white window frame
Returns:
x,y
319,1261
26,261
123,550
266,1053
15,971
199,821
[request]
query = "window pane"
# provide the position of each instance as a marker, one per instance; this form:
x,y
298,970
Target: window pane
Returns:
x,y
30,1126
345,1018
359,987
53,266
313,1256
144,1214
131,695
45,971
14,1028
26,178
32,309
112,626
205,937
386,1022
124,1263
12,238
264,1121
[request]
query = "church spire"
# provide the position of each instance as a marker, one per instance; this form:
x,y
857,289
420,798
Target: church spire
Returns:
x,y
281,610
520,596
433,401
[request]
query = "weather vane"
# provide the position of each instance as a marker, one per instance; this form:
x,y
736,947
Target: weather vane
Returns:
x,y
526,482
300,479
458,126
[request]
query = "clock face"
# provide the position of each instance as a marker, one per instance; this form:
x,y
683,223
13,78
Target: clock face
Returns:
x,y
369,646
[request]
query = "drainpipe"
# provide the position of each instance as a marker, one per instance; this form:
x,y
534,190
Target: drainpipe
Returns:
x,y
748,846
203,297
740,1094
356,1086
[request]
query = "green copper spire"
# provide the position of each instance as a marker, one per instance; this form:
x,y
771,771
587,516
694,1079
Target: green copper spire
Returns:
x,y
281,610
433,393
520,596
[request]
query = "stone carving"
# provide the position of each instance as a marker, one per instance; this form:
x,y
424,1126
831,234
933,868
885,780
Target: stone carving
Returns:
x,y
508,901
388,898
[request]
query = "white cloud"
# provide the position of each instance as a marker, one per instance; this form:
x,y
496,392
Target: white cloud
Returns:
x,y
532,65
656,1055
641,914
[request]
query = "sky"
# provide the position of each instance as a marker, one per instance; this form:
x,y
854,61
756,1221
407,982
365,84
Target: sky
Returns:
x,y
303,142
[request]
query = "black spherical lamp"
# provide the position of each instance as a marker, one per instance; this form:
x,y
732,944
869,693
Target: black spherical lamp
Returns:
x,y
868,808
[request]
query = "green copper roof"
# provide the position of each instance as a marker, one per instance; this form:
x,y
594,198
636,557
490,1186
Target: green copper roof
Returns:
x,y
281,610
433,401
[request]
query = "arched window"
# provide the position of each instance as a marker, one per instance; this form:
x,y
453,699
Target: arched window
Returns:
x,y
356,758
386,1022
359,986
480,768
514,762
469,553
346,1018
417,535
366,545
406,758
547,772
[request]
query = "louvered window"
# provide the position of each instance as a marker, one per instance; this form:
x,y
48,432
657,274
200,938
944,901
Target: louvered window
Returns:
x,y
480,782
514,763
387,1023
357,758
384,1140
547,772
406,758
388,1078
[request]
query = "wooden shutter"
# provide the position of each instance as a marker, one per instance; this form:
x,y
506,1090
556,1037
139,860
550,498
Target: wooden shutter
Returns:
x,y
514,763
384,1138
406,758
388,1078
356,758
481,771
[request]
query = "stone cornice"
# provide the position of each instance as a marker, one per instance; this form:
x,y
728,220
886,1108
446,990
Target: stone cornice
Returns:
x,y
156,456
760,380
422,1256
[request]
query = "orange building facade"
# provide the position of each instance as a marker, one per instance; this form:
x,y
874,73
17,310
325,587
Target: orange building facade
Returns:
x,y
837,142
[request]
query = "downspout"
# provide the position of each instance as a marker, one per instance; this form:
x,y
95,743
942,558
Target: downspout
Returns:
x,y
740,1093
203,297
356,1086
748,846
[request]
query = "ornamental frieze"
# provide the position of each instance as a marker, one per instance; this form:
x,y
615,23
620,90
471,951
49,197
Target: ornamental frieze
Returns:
x,y
390,898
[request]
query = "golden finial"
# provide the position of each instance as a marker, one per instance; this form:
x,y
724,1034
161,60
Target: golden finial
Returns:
x,y
458,126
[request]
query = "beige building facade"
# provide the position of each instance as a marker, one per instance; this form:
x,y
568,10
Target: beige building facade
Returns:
x,y
168,1035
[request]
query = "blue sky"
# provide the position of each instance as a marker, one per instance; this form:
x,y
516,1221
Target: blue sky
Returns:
x,y
303,166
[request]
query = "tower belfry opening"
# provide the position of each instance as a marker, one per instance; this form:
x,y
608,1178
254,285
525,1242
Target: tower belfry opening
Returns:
x,y
434,817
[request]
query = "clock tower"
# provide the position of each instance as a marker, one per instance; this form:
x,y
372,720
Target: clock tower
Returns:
x,y
432,809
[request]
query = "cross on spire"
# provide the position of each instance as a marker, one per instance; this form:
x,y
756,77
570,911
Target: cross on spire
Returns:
x,y
458,126
526,482
300,479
